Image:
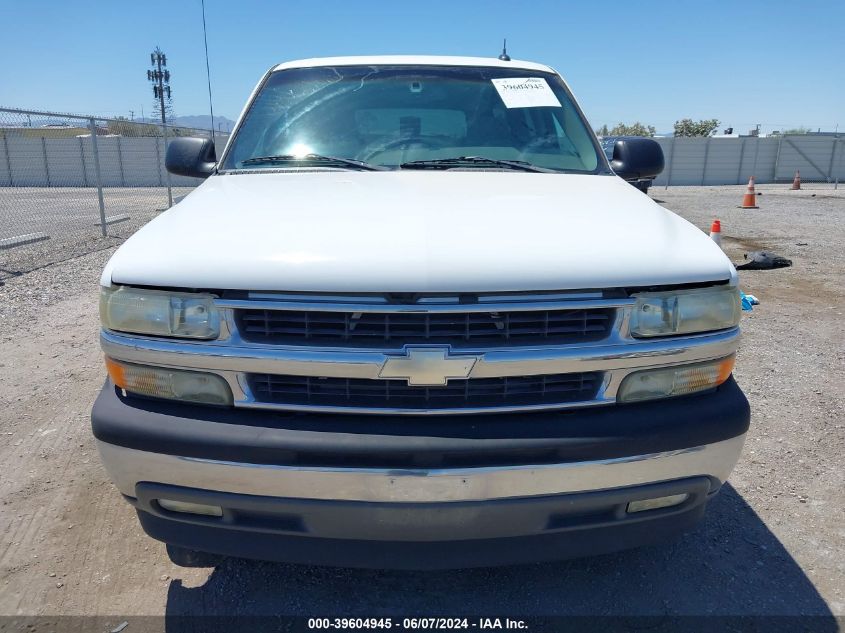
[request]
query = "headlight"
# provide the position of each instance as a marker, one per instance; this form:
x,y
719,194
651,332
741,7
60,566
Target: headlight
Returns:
x,y
675,381
173,384
159,313
685,311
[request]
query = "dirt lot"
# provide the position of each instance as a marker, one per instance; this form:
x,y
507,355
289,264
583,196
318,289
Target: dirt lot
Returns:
x,y
772,543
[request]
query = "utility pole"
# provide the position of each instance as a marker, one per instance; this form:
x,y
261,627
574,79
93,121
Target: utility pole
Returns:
x,y
132,115
161,84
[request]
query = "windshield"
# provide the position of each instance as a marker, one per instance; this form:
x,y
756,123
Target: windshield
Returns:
x,y
390,116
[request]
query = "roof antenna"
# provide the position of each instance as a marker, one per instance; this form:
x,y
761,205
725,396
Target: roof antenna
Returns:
x,y
504,56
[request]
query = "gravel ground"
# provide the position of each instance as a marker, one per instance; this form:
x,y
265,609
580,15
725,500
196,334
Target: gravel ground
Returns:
x,y
772,542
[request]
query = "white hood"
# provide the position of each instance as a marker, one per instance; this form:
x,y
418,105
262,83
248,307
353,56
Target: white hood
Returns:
x,y
416,231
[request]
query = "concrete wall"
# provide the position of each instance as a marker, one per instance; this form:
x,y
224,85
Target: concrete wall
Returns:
x,y
730,161
69,162
139,161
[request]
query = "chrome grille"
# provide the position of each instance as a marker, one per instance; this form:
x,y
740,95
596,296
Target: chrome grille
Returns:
x,y
398,328
547,389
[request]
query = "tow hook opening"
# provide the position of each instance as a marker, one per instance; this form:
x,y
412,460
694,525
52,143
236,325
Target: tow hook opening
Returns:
x,y
655,503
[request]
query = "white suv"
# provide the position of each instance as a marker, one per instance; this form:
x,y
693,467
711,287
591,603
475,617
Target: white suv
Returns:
x,y
412,318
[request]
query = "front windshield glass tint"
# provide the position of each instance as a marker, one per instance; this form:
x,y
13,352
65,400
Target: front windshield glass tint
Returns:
x,y
390,115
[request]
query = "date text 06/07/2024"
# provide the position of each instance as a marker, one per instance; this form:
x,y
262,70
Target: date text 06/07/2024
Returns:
x,y
413,624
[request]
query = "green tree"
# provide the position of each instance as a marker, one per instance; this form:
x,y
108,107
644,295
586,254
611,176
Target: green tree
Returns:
x,y
688,127
797,130
603,131
635,129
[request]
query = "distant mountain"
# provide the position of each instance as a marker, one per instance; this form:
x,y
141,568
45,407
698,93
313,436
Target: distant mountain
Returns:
x,y
202,121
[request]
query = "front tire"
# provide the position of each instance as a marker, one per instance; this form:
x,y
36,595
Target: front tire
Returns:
x,y
642,185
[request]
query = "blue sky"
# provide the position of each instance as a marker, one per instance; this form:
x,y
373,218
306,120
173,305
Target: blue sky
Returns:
x,y
775,63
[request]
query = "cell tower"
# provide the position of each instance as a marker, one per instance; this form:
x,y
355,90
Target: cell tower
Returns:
x,y
159,77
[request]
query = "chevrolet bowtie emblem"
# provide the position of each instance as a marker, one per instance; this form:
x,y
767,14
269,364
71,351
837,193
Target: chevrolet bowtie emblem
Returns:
x,y
427,366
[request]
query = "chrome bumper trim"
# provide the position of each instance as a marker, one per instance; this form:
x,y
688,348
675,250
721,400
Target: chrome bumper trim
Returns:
x,y
350,363
265,301
127,467
615,358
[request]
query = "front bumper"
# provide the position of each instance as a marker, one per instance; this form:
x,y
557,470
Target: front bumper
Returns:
x,y
400,492
381,535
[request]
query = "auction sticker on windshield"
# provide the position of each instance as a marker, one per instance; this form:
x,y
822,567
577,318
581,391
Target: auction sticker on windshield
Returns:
x,y
525,92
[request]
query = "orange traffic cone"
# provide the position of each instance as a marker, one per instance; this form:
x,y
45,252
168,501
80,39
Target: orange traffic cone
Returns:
x,y
716,232
796,182
749,200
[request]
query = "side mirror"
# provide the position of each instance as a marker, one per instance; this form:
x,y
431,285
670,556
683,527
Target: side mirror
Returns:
x,y
635,158
194,157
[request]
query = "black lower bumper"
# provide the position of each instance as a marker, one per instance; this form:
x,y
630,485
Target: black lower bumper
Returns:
x,y
550,527
300,439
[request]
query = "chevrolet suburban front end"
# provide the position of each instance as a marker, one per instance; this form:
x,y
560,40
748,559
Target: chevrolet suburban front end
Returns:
x,y
413,319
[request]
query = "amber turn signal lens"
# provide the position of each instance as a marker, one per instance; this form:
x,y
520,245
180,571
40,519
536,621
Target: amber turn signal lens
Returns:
x,y
678,380
116,373
726,367
172,384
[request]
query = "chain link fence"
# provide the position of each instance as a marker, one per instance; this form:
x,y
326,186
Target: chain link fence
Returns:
x,y
73,184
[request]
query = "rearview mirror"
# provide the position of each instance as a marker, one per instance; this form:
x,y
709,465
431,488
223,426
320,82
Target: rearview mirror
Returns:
x,y
194,157
635,158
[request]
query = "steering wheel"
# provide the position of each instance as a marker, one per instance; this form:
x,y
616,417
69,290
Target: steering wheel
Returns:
x,y
546,142
426,141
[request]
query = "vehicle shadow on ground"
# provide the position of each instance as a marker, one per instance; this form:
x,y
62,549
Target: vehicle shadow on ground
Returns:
x,y
730,565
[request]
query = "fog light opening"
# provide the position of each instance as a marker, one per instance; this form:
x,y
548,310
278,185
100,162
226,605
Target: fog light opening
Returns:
x,y
656,503
187,507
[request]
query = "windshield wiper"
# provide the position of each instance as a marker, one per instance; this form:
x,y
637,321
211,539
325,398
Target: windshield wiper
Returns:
x,y
469,161
314,159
